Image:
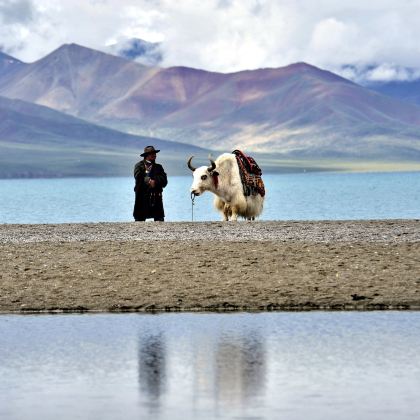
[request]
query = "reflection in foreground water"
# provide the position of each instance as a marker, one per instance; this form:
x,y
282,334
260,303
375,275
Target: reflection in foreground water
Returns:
x,y
316,365
152,367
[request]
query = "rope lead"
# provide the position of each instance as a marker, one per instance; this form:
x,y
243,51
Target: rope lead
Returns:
x,y
192,206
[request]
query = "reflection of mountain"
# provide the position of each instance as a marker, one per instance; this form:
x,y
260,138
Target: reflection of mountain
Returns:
x,y
298,110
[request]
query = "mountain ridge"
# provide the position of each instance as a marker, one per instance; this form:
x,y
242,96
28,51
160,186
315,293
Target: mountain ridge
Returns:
x,y
38,141
294,110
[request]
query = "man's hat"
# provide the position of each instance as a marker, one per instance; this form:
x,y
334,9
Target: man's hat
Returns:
x,y
148,150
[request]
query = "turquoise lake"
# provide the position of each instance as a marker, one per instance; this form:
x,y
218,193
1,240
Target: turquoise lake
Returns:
x,y
304,196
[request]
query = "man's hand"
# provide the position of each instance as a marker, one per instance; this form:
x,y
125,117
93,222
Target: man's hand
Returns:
x,y
152,183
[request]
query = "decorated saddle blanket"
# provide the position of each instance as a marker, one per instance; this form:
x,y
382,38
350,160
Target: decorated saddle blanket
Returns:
x,y
250,174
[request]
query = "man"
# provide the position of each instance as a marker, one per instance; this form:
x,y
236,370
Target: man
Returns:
x,y
150,181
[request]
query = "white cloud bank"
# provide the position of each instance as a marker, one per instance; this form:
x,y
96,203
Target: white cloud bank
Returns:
x,y
226,35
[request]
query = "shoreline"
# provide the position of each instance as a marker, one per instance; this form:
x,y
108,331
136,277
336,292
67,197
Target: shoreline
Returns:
x,y
210,266
271,165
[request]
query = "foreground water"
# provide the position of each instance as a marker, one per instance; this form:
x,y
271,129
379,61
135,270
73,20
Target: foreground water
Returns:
x,y
309,196
318,365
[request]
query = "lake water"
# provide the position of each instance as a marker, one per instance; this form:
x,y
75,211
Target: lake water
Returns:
x,y
317,365
305,196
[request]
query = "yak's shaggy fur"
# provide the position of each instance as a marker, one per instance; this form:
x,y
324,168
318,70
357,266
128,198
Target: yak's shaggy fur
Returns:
x,y
224,180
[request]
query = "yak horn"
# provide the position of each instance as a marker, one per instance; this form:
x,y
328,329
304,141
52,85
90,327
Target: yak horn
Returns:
x,y
213,165
189,164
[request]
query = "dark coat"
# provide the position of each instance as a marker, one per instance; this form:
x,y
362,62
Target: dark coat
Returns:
x,y
149,203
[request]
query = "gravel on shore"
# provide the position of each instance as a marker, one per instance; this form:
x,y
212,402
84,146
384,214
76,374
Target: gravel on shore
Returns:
x,y
379,231
202,266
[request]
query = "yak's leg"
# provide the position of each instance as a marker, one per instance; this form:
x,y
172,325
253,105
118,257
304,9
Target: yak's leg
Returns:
x,y
234,216
221,206
227,212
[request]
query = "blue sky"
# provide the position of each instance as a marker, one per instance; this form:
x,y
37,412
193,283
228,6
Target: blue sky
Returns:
x,y
229,35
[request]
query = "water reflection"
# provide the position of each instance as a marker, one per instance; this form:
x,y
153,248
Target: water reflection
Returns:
x,y
152,366
231,369
240,369
182,366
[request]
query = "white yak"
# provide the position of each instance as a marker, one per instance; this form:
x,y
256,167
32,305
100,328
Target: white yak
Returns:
x,y
223,179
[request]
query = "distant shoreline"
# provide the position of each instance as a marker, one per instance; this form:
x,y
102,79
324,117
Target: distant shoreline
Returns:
x,y
183,266
270,165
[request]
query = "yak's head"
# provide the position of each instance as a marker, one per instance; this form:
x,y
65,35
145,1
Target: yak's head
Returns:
x,y
205,177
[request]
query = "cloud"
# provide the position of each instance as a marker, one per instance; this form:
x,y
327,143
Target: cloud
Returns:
x,y
225,35
16,12
15,17
387,72
379,73
92,23
146,53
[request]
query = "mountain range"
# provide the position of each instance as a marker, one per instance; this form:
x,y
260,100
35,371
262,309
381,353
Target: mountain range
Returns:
x,y
8,63
36,141
405,90
297,111
399,82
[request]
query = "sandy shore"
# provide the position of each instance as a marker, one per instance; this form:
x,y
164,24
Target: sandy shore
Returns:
x,y
210,266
